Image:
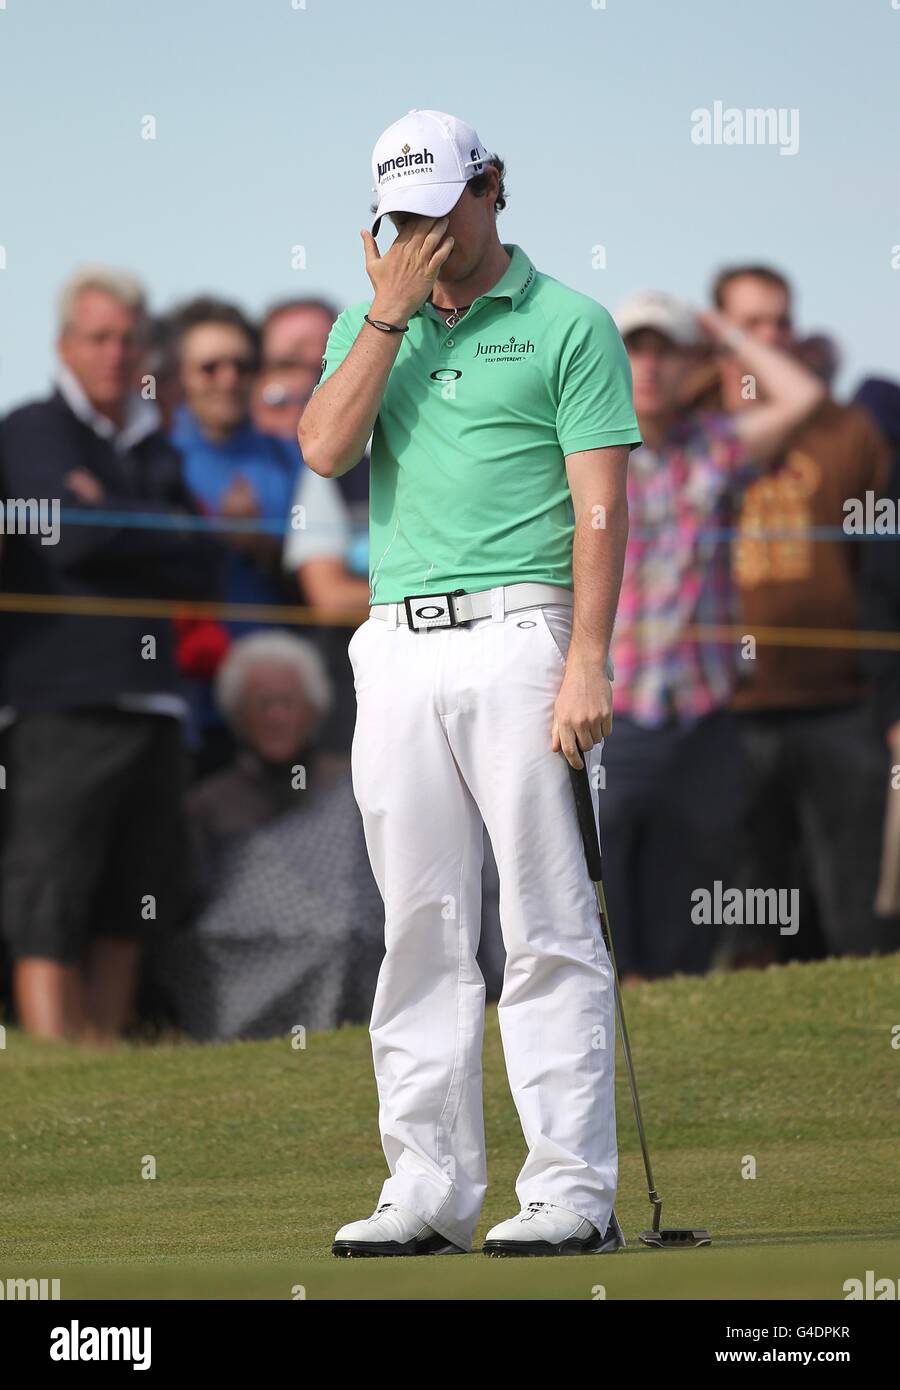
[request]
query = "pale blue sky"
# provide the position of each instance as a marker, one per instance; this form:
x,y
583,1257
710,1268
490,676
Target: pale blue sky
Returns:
x,y
267,115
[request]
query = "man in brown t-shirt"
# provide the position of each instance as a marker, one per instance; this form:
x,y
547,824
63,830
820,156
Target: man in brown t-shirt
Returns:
x,y
817,769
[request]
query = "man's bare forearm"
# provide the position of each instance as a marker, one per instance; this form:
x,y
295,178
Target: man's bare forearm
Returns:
x,y
598,560
340,416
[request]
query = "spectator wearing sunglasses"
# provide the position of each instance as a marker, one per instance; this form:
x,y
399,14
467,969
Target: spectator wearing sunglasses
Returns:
x,y
293,335
234,471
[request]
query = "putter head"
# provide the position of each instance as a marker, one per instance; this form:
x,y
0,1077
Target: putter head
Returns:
x,y
672,1239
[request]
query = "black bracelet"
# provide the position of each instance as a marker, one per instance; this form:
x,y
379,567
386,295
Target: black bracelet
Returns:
x,y
386,327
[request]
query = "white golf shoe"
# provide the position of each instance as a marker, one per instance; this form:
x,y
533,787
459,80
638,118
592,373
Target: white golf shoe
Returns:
x,y
542,1228
392,1230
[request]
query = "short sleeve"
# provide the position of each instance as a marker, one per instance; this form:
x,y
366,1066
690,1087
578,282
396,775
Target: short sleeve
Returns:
x,y
595,407
343,335
320,524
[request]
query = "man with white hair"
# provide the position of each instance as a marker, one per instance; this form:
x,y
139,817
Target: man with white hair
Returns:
x,y
95,756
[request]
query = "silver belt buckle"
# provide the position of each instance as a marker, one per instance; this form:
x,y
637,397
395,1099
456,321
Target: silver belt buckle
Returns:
x,y
431,610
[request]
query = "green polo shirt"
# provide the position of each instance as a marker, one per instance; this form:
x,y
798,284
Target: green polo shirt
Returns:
x,y
468,485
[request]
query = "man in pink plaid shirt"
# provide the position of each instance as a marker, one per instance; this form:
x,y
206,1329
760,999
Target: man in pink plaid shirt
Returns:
x,y
672,798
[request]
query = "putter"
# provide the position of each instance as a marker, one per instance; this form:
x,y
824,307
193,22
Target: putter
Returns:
x,y
664,1239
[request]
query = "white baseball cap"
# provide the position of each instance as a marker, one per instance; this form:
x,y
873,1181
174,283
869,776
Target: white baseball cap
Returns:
x,y
655,309
423,162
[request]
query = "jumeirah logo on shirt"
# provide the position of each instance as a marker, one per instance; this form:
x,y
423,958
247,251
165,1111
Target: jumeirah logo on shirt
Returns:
x,y
511,351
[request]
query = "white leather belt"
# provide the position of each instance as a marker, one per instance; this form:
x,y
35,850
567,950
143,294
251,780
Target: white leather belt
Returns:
x,y
424,611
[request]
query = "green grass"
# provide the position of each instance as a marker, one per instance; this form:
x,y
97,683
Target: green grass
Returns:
x,y
262,1151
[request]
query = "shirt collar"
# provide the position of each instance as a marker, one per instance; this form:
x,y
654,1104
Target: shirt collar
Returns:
x,y
516,281
514,284
141,417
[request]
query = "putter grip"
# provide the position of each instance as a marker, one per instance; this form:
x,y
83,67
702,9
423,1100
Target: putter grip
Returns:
x,y
587,823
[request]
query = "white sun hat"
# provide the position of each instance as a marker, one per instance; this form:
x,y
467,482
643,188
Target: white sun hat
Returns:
x,y
656,309
423,162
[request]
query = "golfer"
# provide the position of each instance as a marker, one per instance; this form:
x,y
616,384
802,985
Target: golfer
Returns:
x,y
499,405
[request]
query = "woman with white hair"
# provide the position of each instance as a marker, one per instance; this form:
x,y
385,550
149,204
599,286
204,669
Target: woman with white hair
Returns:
x,y
285,926
273,692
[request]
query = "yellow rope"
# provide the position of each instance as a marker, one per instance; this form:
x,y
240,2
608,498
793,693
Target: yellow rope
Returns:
x,y
296,614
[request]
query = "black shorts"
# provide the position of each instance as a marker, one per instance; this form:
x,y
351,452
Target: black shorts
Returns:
x,y
94,844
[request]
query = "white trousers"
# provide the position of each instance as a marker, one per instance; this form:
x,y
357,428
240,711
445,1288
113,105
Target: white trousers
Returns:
x,y
453,727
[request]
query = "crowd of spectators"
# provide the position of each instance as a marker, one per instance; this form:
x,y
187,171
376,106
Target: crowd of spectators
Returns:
x,y
179,841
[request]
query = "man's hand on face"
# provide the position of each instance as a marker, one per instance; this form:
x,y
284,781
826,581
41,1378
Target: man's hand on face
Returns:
x,y
404,276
